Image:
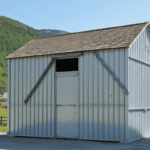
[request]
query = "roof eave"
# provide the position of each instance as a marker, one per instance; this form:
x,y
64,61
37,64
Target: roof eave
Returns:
x,y
69,52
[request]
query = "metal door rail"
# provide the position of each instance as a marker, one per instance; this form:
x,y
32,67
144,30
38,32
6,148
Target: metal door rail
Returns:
x,y
103,105
64,75
93,105
67,105
139,109
111,72
33,105
67,55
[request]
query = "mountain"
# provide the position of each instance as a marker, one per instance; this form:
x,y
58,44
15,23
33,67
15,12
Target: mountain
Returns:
x,y
13,35
49,32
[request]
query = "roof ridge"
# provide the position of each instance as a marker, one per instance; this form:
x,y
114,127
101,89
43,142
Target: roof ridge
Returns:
x,y
93,30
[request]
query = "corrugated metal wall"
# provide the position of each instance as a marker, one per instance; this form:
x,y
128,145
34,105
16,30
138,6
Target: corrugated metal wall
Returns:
x,y
102,101
37,117
139,88
106,119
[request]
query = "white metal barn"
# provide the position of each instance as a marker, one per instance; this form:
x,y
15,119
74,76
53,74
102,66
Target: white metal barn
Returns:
x,y
90,85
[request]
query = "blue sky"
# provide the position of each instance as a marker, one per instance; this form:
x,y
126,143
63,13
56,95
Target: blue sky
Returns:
x,y
76,15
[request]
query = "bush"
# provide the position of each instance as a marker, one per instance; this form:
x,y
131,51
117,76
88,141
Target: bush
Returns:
x,y
2,106
4,74
3,87
3,100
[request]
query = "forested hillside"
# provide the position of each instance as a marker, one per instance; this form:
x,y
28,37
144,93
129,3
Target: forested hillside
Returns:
x,y
14,35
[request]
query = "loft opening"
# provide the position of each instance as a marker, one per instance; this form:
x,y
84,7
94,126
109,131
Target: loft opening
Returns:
x,y
70,64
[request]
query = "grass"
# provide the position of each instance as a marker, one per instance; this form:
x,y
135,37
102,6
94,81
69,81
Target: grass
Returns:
x,y
3,112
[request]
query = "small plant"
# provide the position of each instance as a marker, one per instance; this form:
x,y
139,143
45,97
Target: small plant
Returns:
x,y
3,100
2,106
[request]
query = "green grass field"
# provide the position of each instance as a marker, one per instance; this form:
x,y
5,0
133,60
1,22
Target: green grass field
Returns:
x,y
3,112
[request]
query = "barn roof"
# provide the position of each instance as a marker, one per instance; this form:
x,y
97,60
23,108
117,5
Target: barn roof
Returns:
x,y
106,38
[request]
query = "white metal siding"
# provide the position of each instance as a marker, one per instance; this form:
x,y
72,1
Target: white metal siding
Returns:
x,y
97,87
139,88
8,89
140,48
101,100
139,99
126,74
37,117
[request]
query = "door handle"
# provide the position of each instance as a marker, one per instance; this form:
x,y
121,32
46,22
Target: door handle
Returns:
x,y
58,105
72,105
66,105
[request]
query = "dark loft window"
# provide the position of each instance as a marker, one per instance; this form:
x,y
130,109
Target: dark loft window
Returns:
x,y
67,65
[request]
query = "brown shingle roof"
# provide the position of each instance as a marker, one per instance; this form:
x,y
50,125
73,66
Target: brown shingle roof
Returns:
x,y
115,37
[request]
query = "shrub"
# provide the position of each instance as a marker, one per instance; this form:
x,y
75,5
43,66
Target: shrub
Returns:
x,y
3,100
2,106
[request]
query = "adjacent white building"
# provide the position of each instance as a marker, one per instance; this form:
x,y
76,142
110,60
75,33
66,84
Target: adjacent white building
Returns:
x,y
90,85
5,95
